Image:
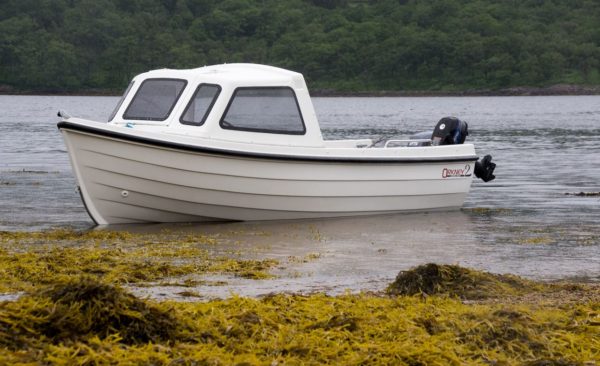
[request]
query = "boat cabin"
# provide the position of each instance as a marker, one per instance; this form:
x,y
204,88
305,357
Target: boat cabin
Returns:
x,y
247,103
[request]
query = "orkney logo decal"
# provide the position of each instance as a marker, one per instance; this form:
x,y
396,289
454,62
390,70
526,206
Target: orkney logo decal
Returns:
x,y
456,172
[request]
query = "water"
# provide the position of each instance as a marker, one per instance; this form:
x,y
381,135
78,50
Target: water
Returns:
x,y
522,223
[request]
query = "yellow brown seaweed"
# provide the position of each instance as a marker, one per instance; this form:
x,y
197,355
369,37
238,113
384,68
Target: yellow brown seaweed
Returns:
x,y
75,313
40,258
453,280
63,325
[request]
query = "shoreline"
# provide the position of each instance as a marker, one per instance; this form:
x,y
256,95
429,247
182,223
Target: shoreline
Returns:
x,y
554,90
520,91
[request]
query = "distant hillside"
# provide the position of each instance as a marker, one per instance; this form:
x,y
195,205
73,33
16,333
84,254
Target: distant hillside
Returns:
x,y
343,45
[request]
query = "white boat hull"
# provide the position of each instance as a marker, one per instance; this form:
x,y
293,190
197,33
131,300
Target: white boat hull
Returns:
x,y
125,181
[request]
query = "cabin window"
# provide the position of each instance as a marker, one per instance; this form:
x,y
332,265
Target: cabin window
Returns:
x,y
155,99
200,105
114,112
265,109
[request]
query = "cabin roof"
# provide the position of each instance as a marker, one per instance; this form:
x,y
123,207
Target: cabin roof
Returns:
x,y
230,77
239,73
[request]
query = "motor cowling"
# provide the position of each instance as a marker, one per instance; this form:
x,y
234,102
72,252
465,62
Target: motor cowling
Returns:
x,y
484,169
450,131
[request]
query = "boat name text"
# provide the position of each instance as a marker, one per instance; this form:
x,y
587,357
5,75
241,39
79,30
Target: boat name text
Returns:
x,y
462,172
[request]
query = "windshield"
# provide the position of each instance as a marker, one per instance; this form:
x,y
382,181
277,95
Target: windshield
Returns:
x,y
114,112
155,99
200,105
264,109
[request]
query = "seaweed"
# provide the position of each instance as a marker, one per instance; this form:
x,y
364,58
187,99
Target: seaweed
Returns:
x,y
453,280
90,322
28,260
75,311
82,308
188,293
583,194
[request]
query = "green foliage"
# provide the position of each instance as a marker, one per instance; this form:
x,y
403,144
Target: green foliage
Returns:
x,y
59,45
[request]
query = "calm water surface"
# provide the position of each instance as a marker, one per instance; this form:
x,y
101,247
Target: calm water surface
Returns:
x,y
523,222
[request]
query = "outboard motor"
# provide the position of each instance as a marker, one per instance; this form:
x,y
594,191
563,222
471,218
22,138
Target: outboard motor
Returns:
x,y
453,131
450,131
484,169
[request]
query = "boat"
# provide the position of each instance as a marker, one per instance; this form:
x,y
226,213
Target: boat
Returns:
x,y
242,142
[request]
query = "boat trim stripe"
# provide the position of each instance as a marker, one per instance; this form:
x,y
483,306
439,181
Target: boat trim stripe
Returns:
x,y
247,154
327,213
255,194
200,172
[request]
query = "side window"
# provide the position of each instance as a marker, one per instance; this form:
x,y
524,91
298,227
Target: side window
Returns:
x,y
155,99
114,112
265,109
200,105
